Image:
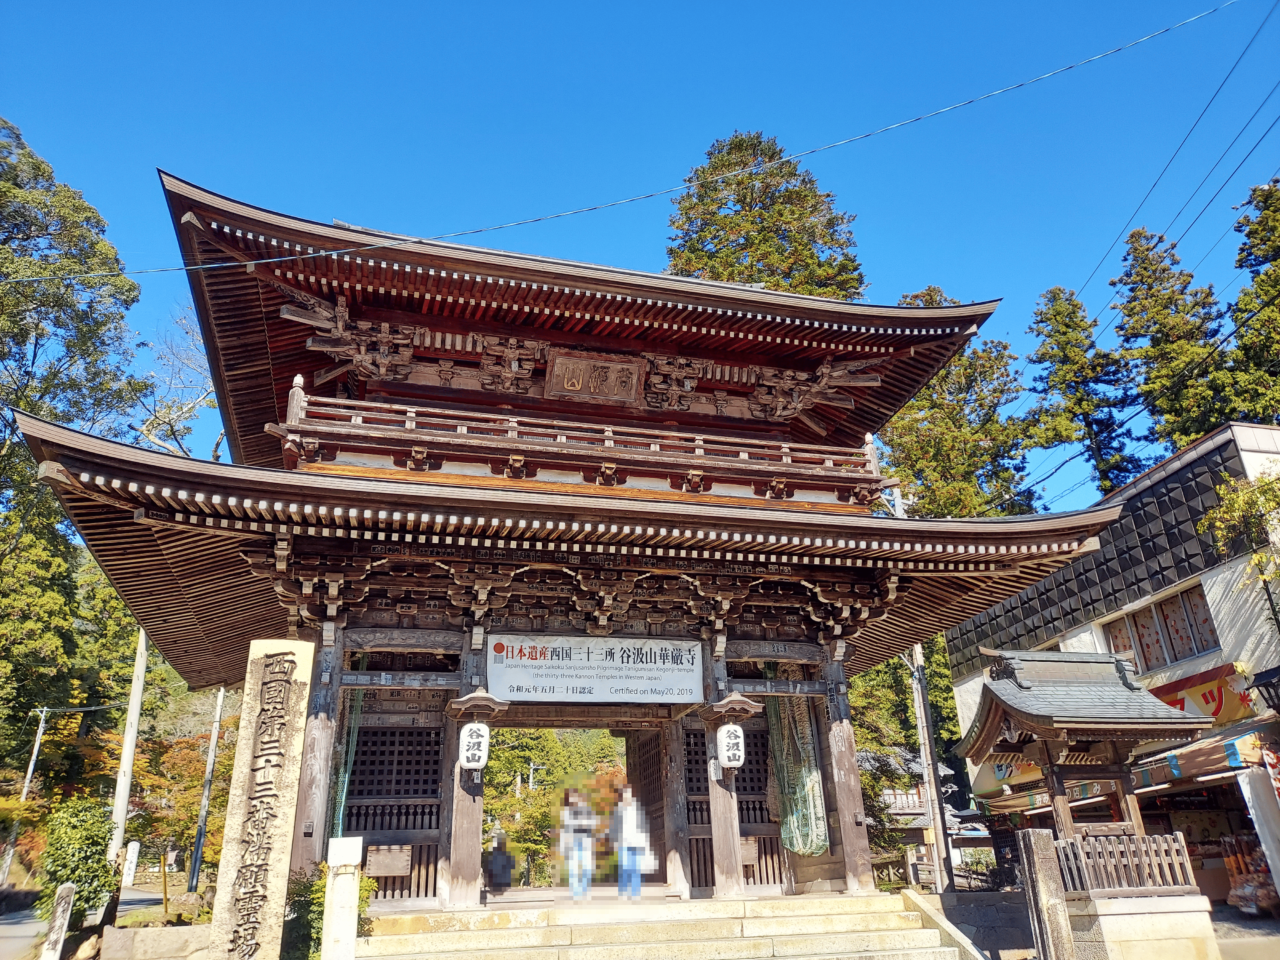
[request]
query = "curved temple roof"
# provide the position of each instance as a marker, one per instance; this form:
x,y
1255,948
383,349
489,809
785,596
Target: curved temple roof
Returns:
x,y
169,532
460,291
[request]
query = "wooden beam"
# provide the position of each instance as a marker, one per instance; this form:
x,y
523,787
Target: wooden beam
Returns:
x,y
675,809
780,688
850,811
403,679
777,650
404,639
1061,804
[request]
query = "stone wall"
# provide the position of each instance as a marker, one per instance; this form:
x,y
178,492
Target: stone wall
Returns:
x,y
1143,928
997,923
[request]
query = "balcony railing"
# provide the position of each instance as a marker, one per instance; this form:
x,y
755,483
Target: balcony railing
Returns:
x,y
424,438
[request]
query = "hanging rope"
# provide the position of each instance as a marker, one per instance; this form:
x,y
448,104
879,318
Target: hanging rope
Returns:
x,y
353,736
794,765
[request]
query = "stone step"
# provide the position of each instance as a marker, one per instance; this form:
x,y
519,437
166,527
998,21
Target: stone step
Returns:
x,y
385,923
687,940
658,951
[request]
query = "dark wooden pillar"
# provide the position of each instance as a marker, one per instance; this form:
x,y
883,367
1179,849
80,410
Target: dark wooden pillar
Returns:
x,y
726,852
466,805
850,812
311,826
675,809
1128,800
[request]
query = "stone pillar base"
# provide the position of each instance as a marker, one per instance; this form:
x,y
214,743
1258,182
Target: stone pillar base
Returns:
x,y
1143,928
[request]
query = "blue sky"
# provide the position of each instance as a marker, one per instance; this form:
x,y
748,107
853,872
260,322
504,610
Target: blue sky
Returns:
x,y
429,118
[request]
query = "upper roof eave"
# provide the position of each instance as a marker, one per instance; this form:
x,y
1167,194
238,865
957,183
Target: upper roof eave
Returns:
x,y
551,269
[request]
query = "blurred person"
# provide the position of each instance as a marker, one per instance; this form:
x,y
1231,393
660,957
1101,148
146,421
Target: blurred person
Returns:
x,y
578,824
500,865
630,834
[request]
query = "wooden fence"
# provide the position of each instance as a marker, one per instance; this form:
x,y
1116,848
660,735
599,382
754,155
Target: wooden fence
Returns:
x,y
1099,867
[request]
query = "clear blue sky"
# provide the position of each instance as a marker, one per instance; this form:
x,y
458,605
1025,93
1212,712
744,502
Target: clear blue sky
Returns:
x,y
429,118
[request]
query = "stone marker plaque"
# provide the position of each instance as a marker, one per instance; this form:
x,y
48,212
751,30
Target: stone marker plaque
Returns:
x,y
58,921
248,912
389,860
131,863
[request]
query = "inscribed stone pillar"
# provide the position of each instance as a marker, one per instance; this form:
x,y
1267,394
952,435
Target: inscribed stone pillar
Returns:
x,y
248,912
311,823
675,808
1046,898
726,852
858,873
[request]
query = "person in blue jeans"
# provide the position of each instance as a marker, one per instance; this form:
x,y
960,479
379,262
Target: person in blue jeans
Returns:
x,y
578,842
630,834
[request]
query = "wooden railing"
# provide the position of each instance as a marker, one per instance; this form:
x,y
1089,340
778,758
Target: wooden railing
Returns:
x,y
699,812
1125,866
753,811
425,437
369,817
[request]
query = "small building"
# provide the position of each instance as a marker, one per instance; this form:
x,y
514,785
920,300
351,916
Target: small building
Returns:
x,y
1198,632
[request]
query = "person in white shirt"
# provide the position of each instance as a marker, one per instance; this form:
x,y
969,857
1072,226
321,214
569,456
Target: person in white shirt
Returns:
x,y
578,841
630,834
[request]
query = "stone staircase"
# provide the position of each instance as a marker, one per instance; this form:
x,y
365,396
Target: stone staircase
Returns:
x,y
872,927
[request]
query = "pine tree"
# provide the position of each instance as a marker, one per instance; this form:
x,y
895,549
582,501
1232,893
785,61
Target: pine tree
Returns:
x,y
1082,389
953,449
1168,337
1254,359
769,224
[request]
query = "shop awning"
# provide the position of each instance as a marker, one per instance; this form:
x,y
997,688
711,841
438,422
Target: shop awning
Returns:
x,y
1233,748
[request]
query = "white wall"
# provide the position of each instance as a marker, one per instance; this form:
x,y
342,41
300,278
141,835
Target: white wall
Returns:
x,y
968,694
1086,639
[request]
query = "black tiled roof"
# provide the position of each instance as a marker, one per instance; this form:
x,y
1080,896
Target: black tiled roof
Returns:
x,y
1152,546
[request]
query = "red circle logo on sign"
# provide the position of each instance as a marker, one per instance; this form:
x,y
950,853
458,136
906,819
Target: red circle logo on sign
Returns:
x,y
499,647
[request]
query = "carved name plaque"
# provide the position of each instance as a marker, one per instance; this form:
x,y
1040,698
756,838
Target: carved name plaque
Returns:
x,y
389,860
593,377
248,913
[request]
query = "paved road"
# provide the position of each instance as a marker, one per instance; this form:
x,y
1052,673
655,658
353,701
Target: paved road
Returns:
x,y
20,931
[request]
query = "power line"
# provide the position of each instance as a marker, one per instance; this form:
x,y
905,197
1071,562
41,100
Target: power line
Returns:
x,y
1229,178
1227,231
1146,404
1169,163
657,193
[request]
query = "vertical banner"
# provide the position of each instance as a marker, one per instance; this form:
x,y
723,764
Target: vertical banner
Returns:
x,y
248,912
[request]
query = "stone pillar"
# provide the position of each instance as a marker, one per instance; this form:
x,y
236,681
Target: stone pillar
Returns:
x,y
858,873
675,809
726,852
342,899
311,823
248,912
1046,898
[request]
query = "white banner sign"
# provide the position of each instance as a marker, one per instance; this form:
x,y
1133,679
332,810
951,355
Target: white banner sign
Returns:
x,y
595,669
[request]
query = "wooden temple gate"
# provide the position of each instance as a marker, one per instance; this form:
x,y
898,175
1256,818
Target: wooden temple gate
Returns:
x,y
440,449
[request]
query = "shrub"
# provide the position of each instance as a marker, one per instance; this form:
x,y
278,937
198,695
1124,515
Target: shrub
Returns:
x,y
78,833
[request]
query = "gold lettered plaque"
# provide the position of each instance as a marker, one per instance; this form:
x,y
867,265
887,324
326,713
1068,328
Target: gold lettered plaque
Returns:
x,y
594,377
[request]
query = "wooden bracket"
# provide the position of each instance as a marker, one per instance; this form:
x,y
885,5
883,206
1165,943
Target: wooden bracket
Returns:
x,y
605,475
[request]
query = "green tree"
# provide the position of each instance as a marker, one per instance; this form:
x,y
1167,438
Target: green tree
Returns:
x,y
76,852
1254,359
954,450
1167,337
64,344
1082,389
750,216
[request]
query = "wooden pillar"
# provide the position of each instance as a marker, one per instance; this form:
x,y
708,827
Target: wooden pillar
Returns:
x,y
466,807
311,824
856,847
448,780
726,851
253,873
675,809
1128,800
1060,802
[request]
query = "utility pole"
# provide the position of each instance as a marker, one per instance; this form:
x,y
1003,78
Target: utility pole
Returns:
x,y
532,767
197,854
26,787
945,877
124,777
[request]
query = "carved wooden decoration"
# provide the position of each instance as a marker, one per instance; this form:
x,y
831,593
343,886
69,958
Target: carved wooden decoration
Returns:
x,y
595,377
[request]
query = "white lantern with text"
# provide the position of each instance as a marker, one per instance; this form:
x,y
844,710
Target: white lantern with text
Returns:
x,y
730,746
473,746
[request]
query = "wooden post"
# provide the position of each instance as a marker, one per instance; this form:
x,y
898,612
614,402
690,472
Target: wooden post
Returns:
x,y
1127,800
466,820
675,809
124,776
311,825
1060,802
858,872
253,874
726,852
